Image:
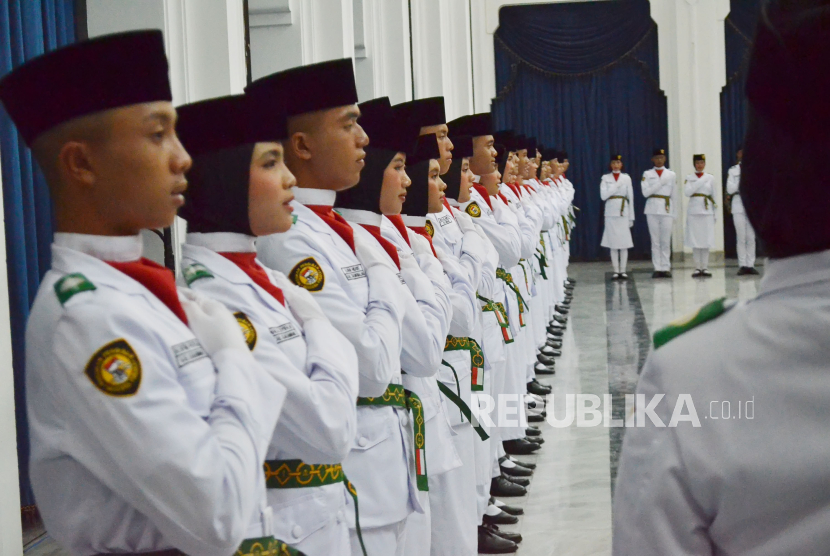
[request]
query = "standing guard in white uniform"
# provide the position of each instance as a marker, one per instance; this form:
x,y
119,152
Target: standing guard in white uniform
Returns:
x,y
616,191
743,229
745,471
701,215
149,417
355,287
659,186
240,189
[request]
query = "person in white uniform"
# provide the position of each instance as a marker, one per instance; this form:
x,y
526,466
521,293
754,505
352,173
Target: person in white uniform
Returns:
x,y
240,188
616,191
660,190
743,229
149,417
701,215
750,477
356,288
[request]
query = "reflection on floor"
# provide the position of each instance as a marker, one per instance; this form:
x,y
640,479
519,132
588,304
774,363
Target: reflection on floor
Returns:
x,y
568,507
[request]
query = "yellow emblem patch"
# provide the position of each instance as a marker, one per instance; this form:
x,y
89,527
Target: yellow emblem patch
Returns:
x,y
430,229
248,329
115,369
473,210
308,274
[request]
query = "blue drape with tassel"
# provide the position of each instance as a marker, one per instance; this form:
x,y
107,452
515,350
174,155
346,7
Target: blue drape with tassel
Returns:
x,y
584,77
28,28
739,30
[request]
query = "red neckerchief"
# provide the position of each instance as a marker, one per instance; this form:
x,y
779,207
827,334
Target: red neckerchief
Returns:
x,y
515,189
503,198
699,174
247,264
483,192
397,221
422,231
159,280
390,249
335,222
616,177
447,205
659,173
529,189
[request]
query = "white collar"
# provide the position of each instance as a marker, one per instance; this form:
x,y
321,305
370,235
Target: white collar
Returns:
x,y
660,168
119,249
452,202
616,171
223,242
794,271
414,221
361,216
476,179
315,197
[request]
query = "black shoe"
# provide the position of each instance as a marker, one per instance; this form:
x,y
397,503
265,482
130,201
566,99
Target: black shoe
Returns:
x,y
706,273
537,389
535,439
561,309
556,331
543,370
533,431
512,510
697,274
570,280
656,274
615,276
667,274
548,351
523,463
520,447
545,386
555,344
502,518
521,481
742,271
491,543
516,471
553,353
560,319
500,486
751,271
531,419
513,537
623,276
545,360
533,428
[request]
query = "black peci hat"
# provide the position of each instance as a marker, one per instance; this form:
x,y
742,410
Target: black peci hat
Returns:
x,y
697,157
506,138
474,126
385,130
658,152
92,76
423,112
563,156
309,88
616,157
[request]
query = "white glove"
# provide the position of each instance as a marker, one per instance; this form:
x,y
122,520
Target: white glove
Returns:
x,y
474,245
420,245
465,222
212,324
300,301
372,255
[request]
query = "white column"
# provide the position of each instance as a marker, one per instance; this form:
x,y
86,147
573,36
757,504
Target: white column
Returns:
x,y
205,43
290,33
382,54
11,531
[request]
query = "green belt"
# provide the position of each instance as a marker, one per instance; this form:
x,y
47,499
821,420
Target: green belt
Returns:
x,y
397,396
266,546
501,317
567,229
507,278
462,406
706,199
543,262
666,198
294,473
524,271
476,359
622,206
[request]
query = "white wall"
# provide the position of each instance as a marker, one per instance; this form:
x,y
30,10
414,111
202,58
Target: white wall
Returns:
x,y
10,526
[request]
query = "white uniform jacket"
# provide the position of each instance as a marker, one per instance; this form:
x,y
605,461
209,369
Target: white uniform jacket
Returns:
x,y
316,363
609,187
664,185
704,185
500,225
378,464
140,442
752,478
733,187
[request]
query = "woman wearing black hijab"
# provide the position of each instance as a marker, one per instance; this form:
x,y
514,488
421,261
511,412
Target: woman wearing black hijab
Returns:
x,y
239,189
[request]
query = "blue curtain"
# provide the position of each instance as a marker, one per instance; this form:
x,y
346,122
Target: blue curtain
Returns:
x,y
584,77
739,29
27,28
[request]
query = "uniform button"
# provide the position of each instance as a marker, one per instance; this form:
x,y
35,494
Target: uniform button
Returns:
x,y
297,531
362,441
404,419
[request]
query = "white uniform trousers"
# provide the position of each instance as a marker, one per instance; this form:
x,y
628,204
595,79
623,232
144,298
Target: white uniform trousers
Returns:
x,y
418,529
515,386
660,228
380,541
746,240
453,502
330,540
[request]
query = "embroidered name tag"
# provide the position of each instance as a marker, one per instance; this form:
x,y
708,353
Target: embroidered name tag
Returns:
x,y
188,352
444,220
354,272
284,332
400,277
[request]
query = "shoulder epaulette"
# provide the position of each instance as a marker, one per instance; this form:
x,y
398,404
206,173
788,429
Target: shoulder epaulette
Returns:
x,y
194,272
70,285
706,313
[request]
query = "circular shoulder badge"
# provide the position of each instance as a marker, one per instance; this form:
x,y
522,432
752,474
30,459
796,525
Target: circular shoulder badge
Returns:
x,y
430,229
115,369
248,329
308,274
473,210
